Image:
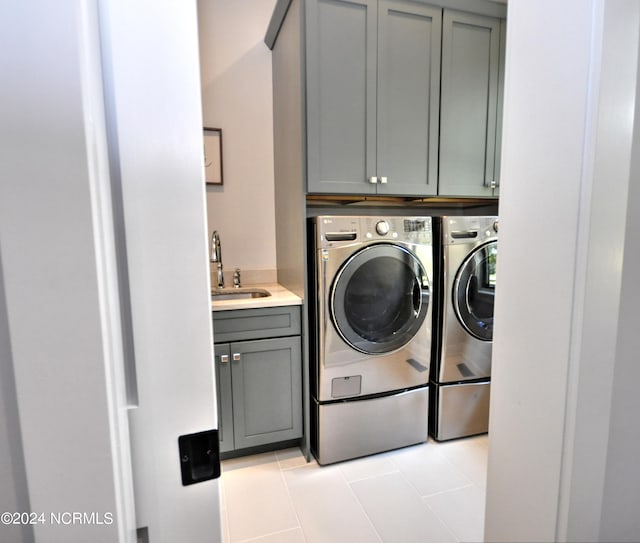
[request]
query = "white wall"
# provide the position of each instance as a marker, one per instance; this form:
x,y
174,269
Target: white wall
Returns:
x,y
563,410
151,65
57,273
235,69
13,483
63,408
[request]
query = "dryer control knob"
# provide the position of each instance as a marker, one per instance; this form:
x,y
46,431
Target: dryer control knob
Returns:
x,y
495,226
382,227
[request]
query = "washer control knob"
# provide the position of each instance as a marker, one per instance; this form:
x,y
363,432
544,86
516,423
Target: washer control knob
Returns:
x,y
495,226
382,227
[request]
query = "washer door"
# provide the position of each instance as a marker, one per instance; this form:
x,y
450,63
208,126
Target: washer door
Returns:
x,y
379,298
474,291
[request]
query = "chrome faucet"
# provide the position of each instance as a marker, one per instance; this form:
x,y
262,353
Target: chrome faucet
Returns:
x,y
216,256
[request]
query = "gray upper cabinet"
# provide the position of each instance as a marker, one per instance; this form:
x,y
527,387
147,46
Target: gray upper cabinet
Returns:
x,y
387,97
341,95
408,96
372,96
470,104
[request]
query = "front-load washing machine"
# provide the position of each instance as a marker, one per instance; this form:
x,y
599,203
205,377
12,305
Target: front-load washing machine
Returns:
x,y
465,270
370,333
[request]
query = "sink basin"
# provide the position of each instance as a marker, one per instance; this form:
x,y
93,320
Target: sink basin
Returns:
x,y
242,293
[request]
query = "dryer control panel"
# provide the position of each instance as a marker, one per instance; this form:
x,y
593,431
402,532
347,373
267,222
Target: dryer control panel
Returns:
x,y
465,230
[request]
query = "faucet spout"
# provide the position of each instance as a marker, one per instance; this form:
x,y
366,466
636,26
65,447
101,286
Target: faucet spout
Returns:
x,y
216,256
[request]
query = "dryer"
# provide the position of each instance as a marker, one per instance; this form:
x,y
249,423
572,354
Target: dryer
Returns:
x,y
467,251
370,333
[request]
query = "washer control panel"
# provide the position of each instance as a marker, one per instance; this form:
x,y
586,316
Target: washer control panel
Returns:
x,y
407,229
333,231
382,227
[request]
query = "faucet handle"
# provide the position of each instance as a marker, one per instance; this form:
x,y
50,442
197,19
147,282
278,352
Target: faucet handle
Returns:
x,y
236,278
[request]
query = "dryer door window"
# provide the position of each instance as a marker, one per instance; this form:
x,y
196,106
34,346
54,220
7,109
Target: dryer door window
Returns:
x,y
474,291
380,298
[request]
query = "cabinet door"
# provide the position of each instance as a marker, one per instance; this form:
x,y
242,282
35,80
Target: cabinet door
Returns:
x,y
267,391
341,95
503,41
409,37
468,104
222,361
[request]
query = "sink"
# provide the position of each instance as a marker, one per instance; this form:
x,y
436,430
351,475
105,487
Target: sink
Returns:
x,y
242,293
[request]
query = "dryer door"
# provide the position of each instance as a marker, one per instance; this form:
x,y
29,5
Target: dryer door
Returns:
x,y
474,291
379,298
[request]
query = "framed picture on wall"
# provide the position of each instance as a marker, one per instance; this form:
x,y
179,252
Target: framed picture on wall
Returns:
x,y
213,156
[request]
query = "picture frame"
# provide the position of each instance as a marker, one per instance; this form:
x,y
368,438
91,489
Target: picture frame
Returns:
x,y
213,156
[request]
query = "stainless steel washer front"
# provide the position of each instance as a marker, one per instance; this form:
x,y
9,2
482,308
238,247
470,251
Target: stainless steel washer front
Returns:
x,y
374,305
371,323
461,369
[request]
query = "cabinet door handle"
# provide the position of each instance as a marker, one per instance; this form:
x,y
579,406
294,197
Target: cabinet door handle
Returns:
x,y
493,184
373,180
236,357
224,358
383,180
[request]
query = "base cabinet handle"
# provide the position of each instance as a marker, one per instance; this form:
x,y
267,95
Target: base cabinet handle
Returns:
x,y
224,359
236,357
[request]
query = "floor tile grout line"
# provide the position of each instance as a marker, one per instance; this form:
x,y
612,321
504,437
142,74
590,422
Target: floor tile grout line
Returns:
x,y
462,471
291,500
454,489
442,521
380,474
360,479
421,498
282,468
225,512
426,496
259,537
445,523
264,465
361,505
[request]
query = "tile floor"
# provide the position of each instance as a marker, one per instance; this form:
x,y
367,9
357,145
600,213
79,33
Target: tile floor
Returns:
x,y
428,493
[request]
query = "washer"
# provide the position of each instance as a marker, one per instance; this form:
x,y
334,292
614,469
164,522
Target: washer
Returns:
x,y
461,370
370,333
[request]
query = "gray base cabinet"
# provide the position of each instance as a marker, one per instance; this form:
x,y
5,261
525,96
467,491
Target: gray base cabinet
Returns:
x,y
259,380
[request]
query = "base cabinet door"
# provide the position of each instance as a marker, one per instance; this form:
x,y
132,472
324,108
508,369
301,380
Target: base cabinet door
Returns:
x,y
267,391
225,400
259,392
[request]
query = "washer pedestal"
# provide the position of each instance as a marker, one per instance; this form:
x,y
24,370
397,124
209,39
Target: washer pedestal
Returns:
x,y
460,410
359,427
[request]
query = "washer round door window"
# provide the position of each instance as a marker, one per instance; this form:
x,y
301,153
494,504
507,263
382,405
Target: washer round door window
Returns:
x,y
474,291
379,298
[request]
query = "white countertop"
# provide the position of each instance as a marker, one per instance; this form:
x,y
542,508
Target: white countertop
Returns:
x,y
279,296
